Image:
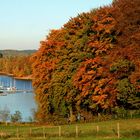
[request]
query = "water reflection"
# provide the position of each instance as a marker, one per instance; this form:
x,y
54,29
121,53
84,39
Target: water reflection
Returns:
x,y
9,81
21,101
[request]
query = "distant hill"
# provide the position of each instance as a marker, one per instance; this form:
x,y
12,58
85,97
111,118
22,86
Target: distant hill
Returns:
x,y
17,52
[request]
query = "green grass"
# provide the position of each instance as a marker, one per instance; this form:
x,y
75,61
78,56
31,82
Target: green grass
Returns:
x,y
107,130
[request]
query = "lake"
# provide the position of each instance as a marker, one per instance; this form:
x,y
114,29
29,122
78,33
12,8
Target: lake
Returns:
x,y
19,101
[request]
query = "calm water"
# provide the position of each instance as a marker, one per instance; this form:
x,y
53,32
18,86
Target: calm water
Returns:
x,y
22,101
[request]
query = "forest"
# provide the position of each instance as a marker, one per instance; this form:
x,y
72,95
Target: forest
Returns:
x,y
91,65
11,52
16,62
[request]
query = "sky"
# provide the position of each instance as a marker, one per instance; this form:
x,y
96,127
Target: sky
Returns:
x,y
24,23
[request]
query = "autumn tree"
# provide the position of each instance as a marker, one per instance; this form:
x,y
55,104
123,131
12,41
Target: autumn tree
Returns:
x,y
90,65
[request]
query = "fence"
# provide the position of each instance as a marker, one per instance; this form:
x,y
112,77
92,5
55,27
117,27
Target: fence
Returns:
x,y
111,129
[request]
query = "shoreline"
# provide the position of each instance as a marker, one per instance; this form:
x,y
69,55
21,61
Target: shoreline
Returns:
x,y
23,78
8,74
15,77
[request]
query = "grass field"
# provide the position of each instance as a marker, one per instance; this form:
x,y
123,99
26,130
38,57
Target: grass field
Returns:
x,y
128,129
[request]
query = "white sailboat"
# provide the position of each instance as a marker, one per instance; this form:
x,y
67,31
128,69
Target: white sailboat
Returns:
x,y
2,90
11,88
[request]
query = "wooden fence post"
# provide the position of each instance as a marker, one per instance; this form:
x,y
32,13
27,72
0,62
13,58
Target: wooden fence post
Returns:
x,y
44,132
59,131
17,133
97,128
118,130
76,131
30,131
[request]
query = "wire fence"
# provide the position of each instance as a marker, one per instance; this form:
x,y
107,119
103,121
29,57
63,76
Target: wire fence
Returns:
x,y
100,130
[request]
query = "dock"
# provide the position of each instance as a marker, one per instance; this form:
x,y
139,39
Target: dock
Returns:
x,y
5,92
17,91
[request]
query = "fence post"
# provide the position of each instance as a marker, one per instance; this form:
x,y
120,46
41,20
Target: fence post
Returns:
x,y
17,133
118,130
30,131
44,132
97,128
76,131
59,131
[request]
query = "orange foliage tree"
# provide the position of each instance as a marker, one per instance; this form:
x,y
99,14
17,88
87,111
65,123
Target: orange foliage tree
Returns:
x,y
91,65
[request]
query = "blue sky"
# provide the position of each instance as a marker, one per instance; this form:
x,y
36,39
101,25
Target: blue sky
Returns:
x,y
24,23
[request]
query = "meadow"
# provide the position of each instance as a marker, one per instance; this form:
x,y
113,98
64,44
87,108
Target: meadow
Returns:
x,y
124,129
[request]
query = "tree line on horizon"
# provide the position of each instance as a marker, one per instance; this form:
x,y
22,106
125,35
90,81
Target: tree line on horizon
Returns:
x,y
91,65
16,62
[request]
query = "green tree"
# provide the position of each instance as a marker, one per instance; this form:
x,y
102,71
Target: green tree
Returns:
x,y
32,118
1,55
16,117
126,93
4,114
122,68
